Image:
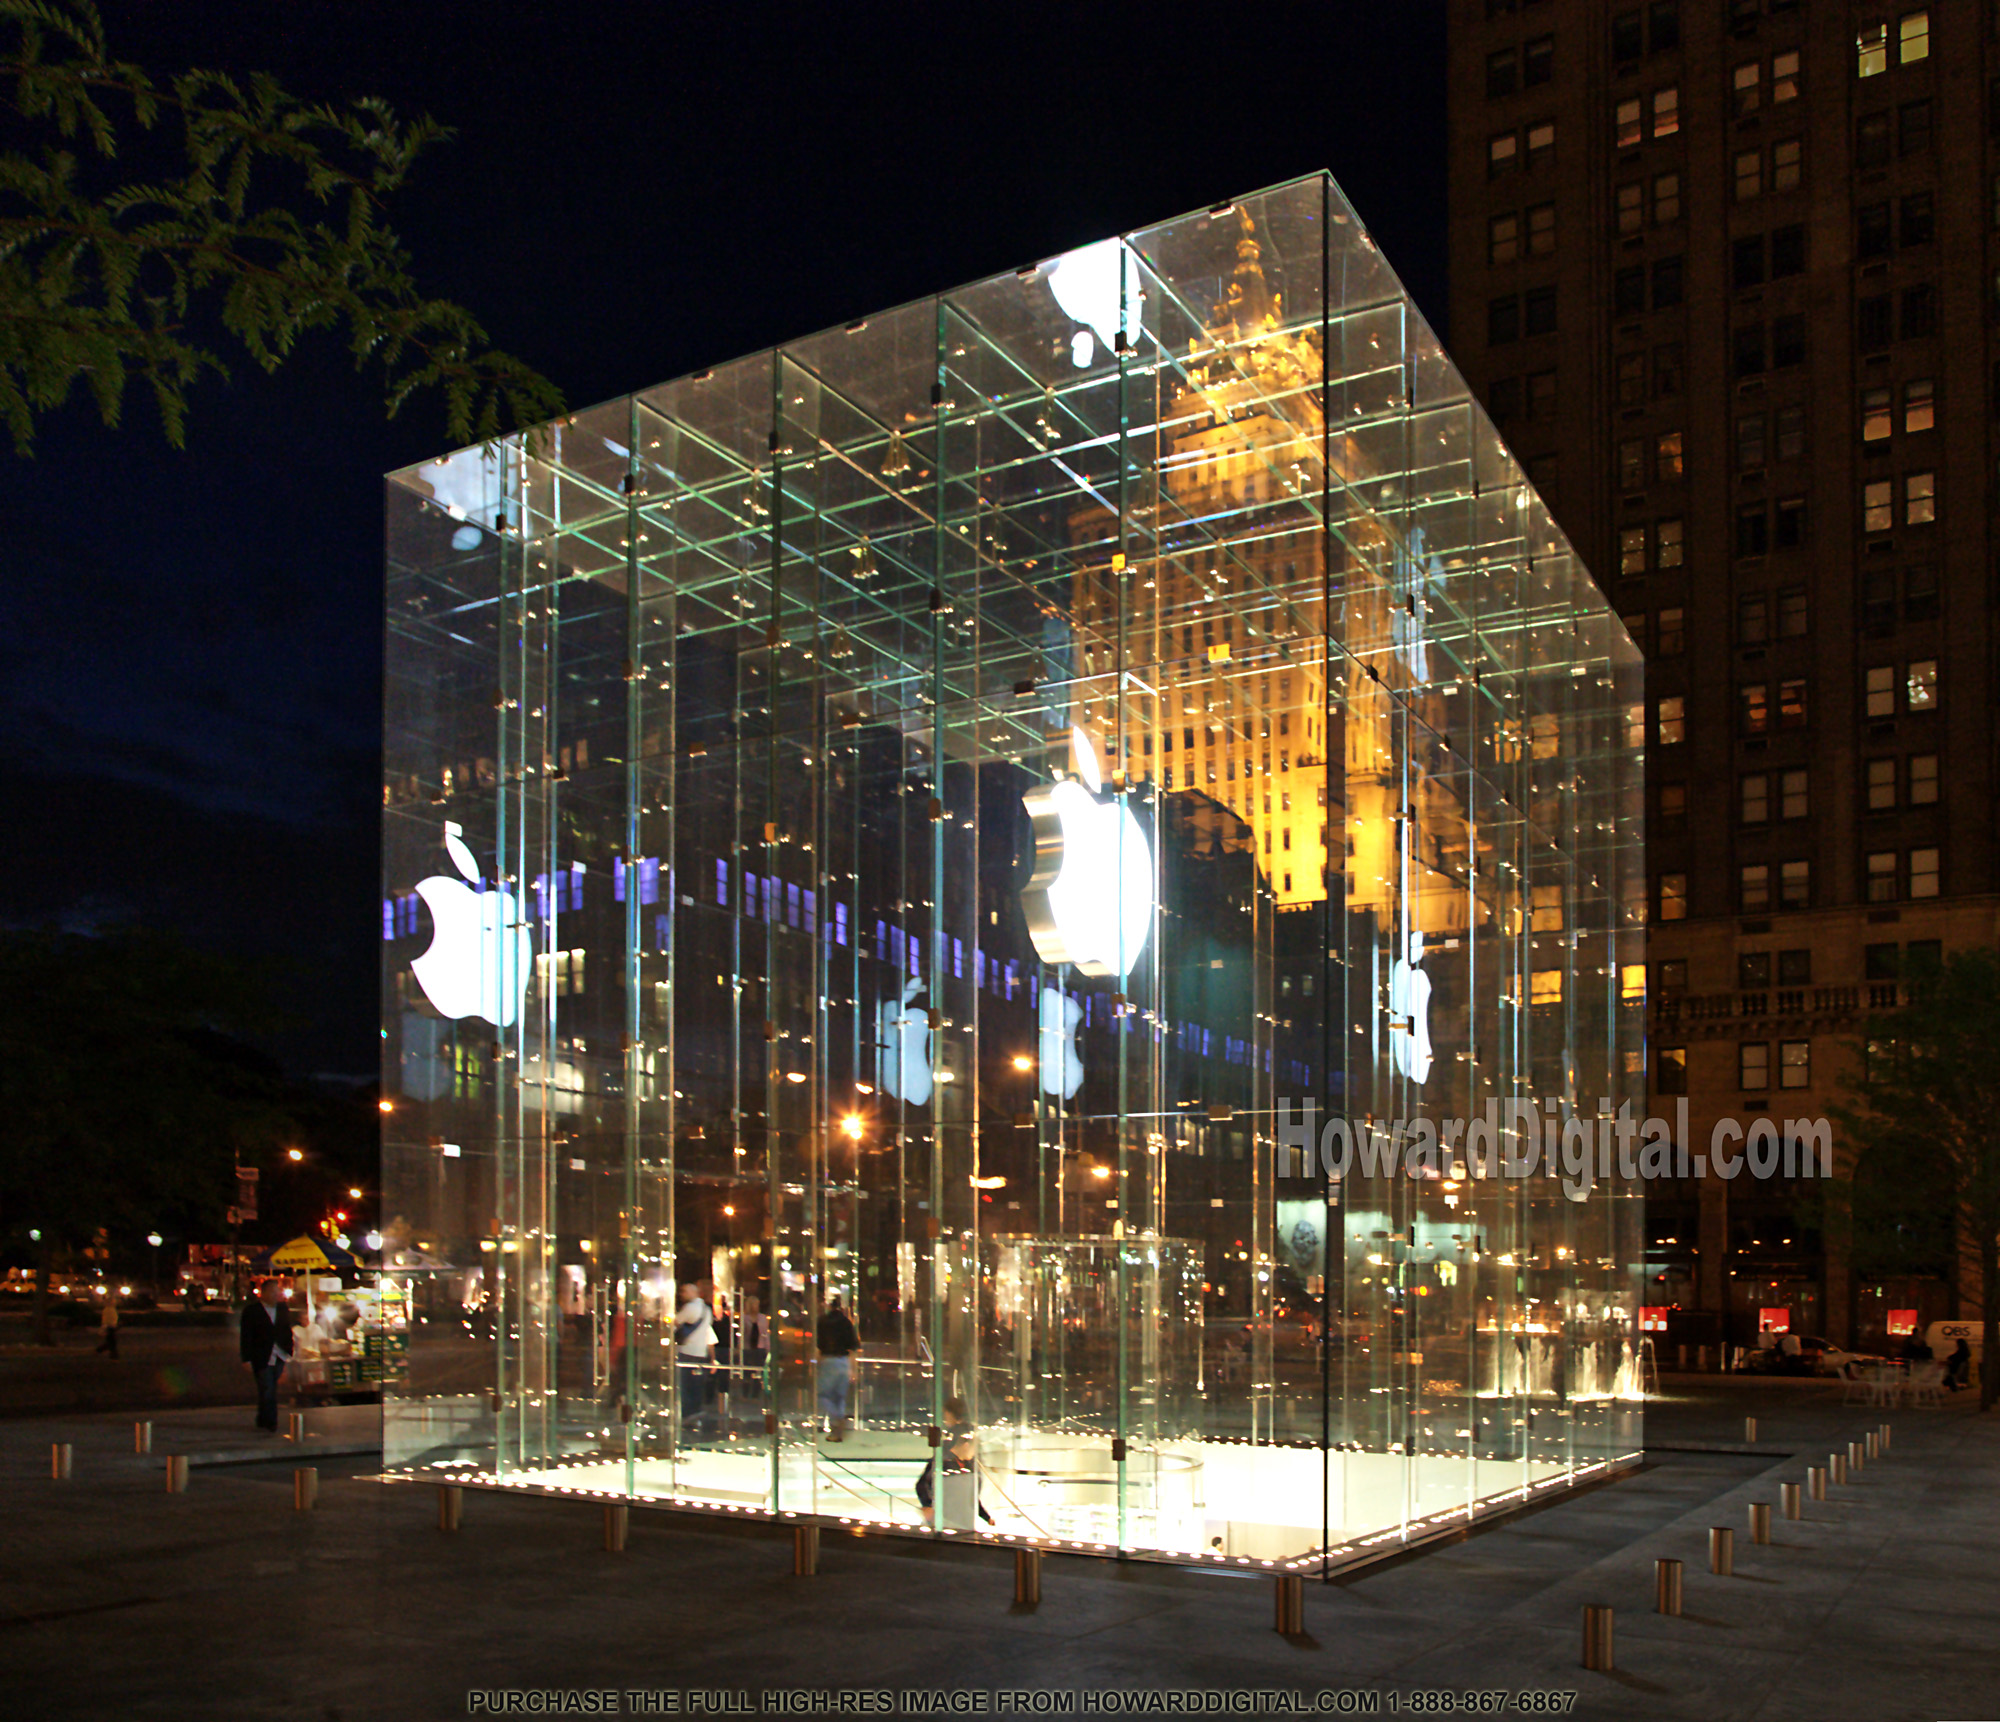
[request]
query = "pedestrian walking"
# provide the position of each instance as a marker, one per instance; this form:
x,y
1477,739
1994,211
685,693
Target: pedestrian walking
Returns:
x,y
265,1341
107,1325
838,1342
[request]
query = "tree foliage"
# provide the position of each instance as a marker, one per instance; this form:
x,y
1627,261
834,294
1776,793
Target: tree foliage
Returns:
x,y
126,1101
253,212
1923,1193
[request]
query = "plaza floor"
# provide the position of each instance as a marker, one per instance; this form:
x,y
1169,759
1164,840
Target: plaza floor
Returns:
x,y
120,1600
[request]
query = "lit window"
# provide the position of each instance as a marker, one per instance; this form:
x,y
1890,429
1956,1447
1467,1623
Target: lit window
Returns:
x,y
1794,1063
1923,872
1632,550
1919,405
1793,794
1749,174
1787,158
1881,785
1673,896
1923,779
1913,38
1795,885
1635,716
1666,198
1670,723
1631,982
1631,207
1747,87
1920,498
1666,111
1545,986
1792,705
1753,888
1877,418
1785,77
1628,123
1754,805
1882,876
1878,506
1879,690
1921,691
1753,708
1871,47
1672,542
1502,152
1667,453
1541,140
1753,1065
1503,238
1672,1075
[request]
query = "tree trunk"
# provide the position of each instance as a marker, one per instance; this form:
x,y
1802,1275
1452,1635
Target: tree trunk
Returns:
x,y
45,1255
1989,1310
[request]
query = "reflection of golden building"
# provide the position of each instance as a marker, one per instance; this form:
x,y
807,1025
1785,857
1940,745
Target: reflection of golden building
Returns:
x,y
1224,638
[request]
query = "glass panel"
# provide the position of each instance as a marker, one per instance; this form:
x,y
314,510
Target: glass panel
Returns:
x,y
886,840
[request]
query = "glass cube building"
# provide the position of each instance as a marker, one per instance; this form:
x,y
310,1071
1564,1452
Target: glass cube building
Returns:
x,y
918,816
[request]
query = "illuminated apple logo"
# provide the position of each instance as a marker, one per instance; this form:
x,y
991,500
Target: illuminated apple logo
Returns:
x,y
1090,901
477,964
1410,1006
903,1067
1062,1066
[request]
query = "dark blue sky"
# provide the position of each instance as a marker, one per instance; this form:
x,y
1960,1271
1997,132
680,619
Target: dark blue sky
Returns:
x,y
190,677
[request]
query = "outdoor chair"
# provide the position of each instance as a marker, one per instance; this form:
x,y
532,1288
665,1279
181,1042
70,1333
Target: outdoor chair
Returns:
x,y
1927,1386
1857,1389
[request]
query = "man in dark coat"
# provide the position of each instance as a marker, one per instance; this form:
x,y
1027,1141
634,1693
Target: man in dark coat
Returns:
x,y
267,1348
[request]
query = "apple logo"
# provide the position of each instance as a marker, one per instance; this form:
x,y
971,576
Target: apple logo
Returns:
x,y
903,1045
477,964
1090,900
463,485
1098,285
1410,1009
1062,1067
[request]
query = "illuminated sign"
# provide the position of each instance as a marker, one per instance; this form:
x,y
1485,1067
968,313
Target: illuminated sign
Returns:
x,y
477,963
1090,901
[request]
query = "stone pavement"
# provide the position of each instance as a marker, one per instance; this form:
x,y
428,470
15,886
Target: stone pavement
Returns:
x,y
120,1601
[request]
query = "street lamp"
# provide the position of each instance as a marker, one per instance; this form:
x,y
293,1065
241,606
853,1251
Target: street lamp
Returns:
x,y
155,1240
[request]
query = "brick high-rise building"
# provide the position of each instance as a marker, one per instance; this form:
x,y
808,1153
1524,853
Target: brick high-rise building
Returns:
x,y
1724,272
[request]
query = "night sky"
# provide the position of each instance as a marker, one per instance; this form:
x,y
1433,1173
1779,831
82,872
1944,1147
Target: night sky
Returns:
x,y
190,674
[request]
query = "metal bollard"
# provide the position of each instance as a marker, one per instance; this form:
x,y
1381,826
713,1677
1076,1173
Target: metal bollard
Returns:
x,y
1760,1522
1701,1358
1788,1495
1816,1482
305,1488
1666,1586
1855,1456
295,1426
1291,1604
1871,1444
1597,1637
805,1550
1721,1550
1028,1577
617,1526
1885,1437
1836,1469
451,1506
142,1437
1750,1429
177,1473
60,1455
1681,1358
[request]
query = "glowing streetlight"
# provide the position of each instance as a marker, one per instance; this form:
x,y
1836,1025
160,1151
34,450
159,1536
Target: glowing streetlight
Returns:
x,y
851,1127
1023,1062
356,1194
295,1154
385,1106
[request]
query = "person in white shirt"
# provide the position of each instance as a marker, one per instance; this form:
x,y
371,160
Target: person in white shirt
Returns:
x,y
694,1337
